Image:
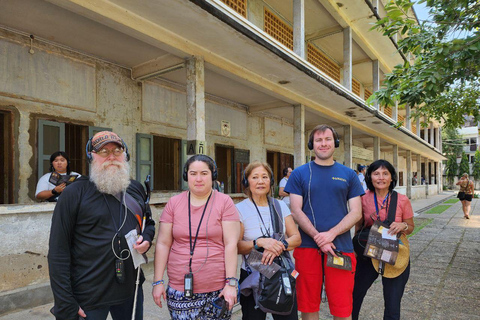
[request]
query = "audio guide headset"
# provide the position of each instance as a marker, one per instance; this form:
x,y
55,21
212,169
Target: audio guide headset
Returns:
x,y
323,127
89,150
270,172
212,165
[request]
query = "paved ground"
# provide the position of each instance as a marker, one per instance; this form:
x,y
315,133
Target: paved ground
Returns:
x,y
444,279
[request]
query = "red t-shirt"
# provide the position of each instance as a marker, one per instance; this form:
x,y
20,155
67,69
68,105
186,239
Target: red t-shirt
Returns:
x,y
404,208
211,276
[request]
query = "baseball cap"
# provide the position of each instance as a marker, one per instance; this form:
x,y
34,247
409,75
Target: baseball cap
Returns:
x,y
103,138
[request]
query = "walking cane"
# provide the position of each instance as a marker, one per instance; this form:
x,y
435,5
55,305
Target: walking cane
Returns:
x,y
147,201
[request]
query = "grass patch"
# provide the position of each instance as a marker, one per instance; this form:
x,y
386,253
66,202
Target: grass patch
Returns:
x,y
438,209
420,223
454,200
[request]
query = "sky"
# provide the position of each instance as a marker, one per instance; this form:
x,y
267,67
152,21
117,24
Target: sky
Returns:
x,y
421,11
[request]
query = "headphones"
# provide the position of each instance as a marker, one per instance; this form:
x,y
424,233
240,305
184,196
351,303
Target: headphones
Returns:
x,y
89,149
204,158
245,179
317,128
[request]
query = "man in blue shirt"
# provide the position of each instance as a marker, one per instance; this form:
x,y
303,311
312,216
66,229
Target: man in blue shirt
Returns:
x,y
319,194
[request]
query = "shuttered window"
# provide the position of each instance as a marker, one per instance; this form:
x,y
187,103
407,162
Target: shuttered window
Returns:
x,y
278,29
238,5
322,62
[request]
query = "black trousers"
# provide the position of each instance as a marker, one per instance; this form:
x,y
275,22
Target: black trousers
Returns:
x,y
250,313
393,289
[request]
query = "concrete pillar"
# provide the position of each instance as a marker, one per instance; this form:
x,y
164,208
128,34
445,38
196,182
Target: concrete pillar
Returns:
x,y
437,138
376,80
376,148
432,134
418,126
195,98
419,168
440,141
395,157
375,5
395,112
408,121
409,174
299,28
439,177
299,134
425,133
347,142
347,58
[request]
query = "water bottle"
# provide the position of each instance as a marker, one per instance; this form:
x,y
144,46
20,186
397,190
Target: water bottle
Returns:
x,y
222,188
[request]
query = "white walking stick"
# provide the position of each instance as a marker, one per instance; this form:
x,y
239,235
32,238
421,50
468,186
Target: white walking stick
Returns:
x,y
137,283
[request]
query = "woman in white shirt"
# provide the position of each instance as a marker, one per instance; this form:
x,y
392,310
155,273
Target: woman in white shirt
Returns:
x,y
257,230
47,191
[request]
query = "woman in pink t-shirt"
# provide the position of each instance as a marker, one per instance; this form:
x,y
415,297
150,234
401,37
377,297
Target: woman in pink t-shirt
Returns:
x,y
197,243
381,178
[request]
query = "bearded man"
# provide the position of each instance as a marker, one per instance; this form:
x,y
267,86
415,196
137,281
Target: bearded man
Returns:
x,y
90,264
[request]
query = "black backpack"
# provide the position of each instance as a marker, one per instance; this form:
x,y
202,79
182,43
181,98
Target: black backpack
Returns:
x,y
273,295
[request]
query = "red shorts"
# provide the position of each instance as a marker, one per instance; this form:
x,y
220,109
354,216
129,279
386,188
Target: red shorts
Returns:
x,y
338,283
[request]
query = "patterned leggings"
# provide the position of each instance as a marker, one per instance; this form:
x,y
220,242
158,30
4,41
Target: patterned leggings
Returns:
x,y
199,307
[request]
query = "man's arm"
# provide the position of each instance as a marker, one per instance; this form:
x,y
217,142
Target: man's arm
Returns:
x,y
63,225
296,202
323,239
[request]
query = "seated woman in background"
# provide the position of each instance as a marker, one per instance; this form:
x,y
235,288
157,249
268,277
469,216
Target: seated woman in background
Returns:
x,y
46,190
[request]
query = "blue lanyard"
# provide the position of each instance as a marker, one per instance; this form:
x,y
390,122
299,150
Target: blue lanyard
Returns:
x,y
383,203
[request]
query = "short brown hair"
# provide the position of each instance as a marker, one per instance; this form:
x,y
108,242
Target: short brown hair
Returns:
x,y
248,171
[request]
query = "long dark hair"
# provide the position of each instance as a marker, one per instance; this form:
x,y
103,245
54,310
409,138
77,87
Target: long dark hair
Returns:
x,y
381,164
55,155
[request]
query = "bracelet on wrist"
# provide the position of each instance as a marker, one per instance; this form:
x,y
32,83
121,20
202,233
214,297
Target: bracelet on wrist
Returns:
x,y
54,192
156,283
255,245
406,227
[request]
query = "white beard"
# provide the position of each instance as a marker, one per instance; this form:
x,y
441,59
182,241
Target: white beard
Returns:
x,y
111,180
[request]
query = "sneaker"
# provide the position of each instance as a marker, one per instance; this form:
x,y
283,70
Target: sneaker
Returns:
x,y
467,217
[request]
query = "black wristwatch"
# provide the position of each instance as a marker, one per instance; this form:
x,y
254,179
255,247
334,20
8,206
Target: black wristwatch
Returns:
x,y
285,243
255,245
54,192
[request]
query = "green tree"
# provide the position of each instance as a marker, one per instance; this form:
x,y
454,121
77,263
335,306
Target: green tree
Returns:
x,y
476,166
444,78
452,142
464,167
451,168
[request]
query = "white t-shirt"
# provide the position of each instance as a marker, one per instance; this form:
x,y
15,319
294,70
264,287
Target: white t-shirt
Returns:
x,y
43,183
283,184
253,224
361,177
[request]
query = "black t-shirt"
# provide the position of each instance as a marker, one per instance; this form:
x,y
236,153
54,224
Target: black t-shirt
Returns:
x,y
81,260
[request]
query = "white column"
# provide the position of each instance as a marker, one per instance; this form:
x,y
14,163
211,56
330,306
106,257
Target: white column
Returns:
x,y
440,141
409,174
376,148
347,142
195,99
395,111
408,121
395,157
299,28
299,135
439,177
376,80
418,126
425,132
432,134
347,58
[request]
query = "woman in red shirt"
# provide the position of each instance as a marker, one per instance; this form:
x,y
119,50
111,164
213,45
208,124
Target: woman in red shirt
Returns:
x,y
381,178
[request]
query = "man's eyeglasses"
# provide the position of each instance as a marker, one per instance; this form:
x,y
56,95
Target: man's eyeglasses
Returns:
x,y
105,153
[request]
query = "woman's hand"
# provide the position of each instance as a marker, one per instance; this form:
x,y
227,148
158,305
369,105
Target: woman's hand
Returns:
x,y
229,293
268,256
158,292
271,244
397,227
60,187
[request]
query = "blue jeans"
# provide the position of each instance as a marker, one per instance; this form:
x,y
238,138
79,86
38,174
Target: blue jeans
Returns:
x,y
393,289
120,311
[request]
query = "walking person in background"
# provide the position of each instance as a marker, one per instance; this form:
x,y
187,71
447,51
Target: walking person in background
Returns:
x,y
197,243
47,191
465,194
257,231
90,263
361,176
281,191
381,178
326,204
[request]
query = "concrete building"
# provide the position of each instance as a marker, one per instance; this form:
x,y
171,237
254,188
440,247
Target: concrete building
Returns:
x,y
239,80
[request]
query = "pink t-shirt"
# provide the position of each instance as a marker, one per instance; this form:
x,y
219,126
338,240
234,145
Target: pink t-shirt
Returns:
x,y
211,276
404,208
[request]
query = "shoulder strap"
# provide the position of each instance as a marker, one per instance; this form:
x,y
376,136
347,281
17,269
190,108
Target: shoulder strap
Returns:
x,y
392,208
275,215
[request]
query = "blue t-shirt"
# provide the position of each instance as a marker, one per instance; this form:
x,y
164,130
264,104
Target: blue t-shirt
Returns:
x,y
329,189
